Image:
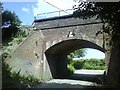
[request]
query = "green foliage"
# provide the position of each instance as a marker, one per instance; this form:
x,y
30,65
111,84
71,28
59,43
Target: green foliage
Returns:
x,y
96,64
5,70
19,37
10,18
107,12
22,33
23,78
10,25
92,63
14,78
71,69
77,53
70,58
16,75
78,64
4,55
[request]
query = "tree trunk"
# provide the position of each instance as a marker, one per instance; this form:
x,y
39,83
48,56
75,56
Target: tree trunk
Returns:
x,y
113,64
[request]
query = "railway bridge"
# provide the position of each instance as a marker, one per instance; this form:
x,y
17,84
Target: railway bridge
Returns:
x,y
44,53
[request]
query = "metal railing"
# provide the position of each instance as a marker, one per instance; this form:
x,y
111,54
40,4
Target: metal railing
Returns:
x,y
54,14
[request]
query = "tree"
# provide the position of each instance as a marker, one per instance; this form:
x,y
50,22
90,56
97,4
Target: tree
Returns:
x,y
10,24
109,14
76,54
1,8
10,19
79,53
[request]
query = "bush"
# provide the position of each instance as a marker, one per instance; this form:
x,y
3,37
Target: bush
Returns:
x,y
78,64
22,33
95,64
8,33
71,69
88,66
13,79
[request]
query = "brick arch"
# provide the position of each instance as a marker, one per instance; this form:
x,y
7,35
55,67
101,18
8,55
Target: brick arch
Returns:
x,y
56,54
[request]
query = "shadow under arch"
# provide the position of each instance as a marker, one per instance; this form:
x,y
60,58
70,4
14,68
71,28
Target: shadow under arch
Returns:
x,y
57,55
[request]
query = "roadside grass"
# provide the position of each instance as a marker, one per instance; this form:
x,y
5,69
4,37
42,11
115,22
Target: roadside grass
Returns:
x,y
15,79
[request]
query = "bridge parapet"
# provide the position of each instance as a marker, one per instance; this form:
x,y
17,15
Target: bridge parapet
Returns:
x,y
62,21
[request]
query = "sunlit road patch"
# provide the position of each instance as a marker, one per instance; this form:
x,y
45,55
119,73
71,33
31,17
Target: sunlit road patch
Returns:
x,y
66,83
93,72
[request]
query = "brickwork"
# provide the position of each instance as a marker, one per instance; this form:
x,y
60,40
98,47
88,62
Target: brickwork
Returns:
x,y
43,54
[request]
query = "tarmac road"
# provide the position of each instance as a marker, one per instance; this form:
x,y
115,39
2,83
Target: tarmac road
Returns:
x,y
75,81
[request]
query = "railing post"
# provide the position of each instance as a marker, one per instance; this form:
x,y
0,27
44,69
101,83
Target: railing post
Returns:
x,y
59,13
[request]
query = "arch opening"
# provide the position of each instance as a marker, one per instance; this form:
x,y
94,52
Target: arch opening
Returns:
x,y
86,64
57,55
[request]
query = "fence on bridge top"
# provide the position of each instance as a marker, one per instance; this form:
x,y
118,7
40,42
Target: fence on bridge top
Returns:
x,y
54,14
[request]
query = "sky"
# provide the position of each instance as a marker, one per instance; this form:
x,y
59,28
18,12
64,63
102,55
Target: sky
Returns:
x,y
27,10
93,53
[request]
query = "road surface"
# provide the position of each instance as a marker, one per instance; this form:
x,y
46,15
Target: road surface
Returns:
x,y
81,79
92,72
